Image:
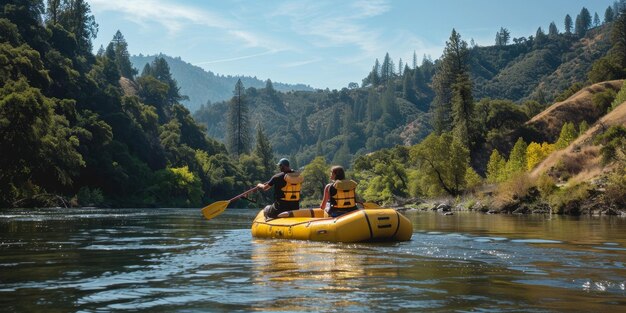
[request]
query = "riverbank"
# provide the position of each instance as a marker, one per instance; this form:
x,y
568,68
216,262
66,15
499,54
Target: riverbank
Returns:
x,y
595,205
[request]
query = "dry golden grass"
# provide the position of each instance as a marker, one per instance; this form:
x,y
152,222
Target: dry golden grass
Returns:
x,y
575,109
582,154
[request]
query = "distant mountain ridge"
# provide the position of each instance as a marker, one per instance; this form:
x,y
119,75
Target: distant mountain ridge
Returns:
x,y
202,86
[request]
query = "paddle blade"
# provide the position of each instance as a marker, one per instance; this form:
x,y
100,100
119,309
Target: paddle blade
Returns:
x,y
214,209
370,206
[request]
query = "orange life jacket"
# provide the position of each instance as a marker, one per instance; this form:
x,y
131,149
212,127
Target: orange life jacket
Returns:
x,y
345,197
292,187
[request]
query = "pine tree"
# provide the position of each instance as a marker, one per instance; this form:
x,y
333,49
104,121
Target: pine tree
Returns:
x,y
517,159
386,69
596,20
609,15
122,57
502,37
414,60
238,133
76,17
408,87
453,64
583,21
552,30
463,110
568,24
374,76
496,167
263,151
568,135
53,11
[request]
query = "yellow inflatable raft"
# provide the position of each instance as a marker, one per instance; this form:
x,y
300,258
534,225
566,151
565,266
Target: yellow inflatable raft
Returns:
x,y
361,225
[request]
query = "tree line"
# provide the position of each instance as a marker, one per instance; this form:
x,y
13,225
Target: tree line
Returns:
x,y
78,128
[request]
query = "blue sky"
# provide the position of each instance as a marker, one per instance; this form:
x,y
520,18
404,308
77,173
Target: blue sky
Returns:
x,y
325,44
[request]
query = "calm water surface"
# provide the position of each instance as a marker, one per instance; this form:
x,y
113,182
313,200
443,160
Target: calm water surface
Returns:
x,y
171,260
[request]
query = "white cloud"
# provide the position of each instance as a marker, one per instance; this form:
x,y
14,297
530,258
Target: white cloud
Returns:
x,y
300,63
174,17
237,58
369,8
333,24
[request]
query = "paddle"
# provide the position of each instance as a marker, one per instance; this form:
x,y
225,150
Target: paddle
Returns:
x,y
214,209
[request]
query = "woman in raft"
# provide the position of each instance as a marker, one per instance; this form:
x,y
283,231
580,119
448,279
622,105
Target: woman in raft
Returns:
x,y
340,194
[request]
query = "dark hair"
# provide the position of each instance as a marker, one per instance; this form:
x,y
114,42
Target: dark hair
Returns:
x,y
340,174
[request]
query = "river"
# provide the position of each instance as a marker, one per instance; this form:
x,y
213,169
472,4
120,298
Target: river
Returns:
x,y
172,260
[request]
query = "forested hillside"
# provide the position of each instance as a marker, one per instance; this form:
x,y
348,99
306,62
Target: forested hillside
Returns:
x,y
394,104
70,136
202,86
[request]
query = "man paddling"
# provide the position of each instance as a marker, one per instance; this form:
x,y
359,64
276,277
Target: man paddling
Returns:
x,y
287,185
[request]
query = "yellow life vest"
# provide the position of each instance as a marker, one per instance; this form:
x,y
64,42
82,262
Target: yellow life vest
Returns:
x,y
292,188
345,197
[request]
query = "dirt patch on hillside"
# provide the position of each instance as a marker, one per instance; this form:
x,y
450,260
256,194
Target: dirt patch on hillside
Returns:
x,y
129,87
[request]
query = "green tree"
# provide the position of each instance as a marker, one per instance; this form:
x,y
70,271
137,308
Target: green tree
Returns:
x,y
502,37
386,69
52,11
613,142
177,186
582,127
453,64
568,24
463,110
517,162
568,135
122,57
381,176
583,22
39,150
316,176
238,133
609,15
443,160
496,167
263,151
552,30
75,16
620,97
374,76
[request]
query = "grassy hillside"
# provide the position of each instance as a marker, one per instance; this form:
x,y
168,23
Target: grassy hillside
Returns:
x,y
577,108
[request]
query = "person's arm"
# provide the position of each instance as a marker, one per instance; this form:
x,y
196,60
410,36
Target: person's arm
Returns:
x,y
266,186
326,197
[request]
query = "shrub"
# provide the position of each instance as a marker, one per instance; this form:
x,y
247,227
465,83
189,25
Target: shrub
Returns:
x,y
546,185
602,100
620,97
613,142
89,197
472,179
616,189
512,190
574,88
569,200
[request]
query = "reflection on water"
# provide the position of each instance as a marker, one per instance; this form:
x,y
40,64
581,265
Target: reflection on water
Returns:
x,y
165,260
